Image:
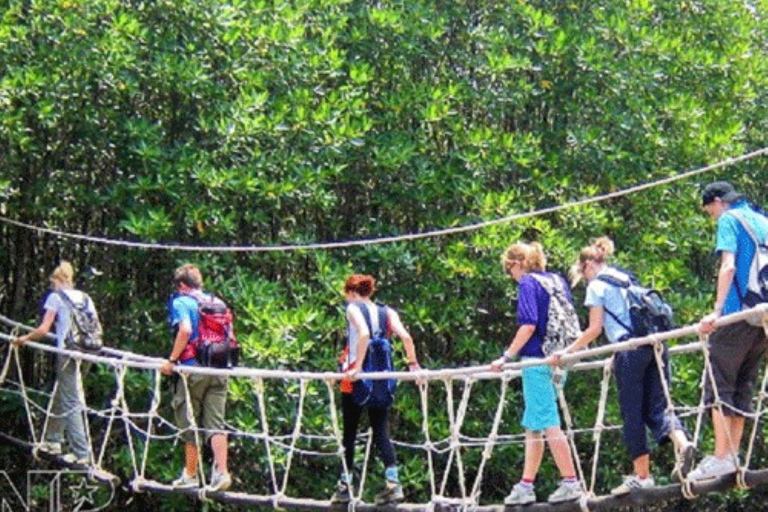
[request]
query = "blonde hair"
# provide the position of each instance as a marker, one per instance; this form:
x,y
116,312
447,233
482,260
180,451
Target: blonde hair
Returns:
x,y
600,250
530,255
64,274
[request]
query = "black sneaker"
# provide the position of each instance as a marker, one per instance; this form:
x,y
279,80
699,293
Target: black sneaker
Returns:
x,y
390,494
342,494
684,463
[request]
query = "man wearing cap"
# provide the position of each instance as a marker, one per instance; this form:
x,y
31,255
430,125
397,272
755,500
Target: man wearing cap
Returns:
x,y
736,350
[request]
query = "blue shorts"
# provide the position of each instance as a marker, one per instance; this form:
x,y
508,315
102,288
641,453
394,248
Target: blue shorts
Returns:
x,y
540,399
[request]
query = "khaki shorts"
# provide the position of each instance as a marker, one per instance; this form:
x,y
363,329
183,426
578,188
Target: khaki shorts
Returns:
x,y
209,402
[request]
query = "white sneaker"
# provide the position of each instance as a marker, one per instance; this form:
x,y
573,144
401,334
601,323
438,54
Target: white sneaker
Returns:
x,y
520,495
566,491
633,483
220,482
712,467
71,458
50,447
185,481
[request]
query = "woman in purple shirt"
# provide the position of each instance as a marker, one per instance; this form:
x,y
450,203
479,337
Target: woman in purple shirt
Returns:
x,y
526,264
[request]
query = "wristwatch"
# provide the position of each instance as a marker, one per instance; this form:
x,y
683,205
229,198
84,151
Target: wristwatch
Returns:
x,y
173,361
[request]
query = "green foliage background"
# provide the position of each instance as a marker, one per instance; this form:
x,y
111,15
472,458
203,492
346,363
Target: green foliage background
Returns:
x,y
273,122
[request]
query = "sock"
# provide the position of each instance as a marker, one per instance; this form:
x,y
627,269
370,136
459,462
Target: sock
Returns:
x,y
526,483
569,479
391,475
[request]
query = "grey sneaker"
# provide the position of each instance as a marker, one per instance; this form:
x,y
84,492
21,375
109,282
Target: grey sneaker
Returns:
x,y
520,495
392,493
342,494
220,482
712,467
50,447
566,491
185,481
632,483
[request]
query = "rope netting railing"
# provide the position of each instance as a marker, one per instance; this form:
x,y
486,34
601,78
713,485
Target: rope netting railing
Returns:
x,y
277,411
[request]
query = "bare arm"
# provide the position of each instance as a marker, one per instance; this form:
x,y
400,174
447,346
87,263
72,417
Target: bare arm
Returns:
x,y
41,330
403,334
523,334
592,331
179,344
724,281
355,317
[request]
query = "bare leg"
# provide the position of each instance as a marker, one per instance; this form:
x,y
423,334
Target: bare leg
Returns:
x,y
534,452
728,429
642,466
219,445
558,445
191,456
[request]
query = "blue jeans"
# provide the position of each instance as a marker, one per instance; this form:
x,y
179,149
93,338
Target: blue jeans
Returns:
x,y
642,400
67,409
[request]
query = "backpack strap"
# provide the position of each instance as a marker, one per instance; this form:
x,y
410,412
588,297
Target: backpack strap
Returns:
x,y
66,298
751,232
617,283
382,312
747,227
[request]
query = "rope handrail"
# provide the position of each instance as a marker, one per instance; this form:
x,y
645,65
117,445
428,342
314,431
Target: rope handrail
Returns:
x,y
475,372
387,239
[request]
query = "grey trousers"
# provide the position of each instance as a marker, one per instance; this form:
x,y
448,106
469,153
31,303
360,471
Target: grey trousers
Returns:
x,y
67,409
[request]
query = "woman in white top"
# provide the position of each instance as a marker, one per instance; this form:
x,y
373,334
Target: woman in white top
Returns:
x,y
364,320
68,408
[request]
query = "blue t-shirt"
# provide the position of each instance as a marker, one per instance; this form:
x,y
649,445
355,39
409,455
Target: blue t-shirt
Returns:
x,y
533,309
732,237
184,307
612,298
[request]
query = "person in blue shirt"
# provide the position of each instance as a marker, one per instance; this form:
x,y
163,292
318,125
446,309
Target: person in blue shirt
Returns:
x,y
526,264
207,393
642,400
735,350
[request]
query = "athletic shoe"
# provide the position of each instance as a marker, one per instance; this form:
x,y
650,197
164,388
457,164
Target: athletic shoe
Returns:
x,y
566,491
220,482
712,467
185,481
342,494
633,483
521,495
684,461
71,458
50,448
392,493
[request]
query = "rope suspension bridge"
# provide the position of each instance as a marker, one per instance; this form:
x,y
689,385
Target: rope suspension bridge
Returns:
x,y
454,486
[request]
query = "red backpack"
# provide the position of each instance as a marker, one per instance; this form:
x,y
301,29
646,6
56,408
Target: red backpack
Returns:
x,y
216,345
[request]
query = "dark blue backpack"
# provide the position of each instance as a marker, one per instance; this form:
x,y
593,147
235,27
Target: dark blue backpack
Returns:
x,y
378,358
648,312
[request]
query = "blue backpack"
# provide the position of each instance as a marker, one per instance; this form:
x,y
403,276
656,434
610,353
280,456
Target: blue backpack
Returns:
x,y
648,312
378,358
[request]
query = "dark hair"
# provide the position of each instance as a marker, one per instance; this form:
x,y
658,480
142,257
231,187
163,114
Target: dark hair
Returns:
x,y
722,190
361,284
189,275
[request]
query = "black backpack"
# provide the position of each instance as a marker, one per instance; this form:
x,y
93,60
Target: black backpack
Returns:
x,y
84,330
648,312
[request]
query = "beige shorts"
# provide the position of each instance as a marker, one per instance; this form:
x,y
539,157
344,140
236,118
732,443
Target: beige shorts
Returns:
x,y
209,402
